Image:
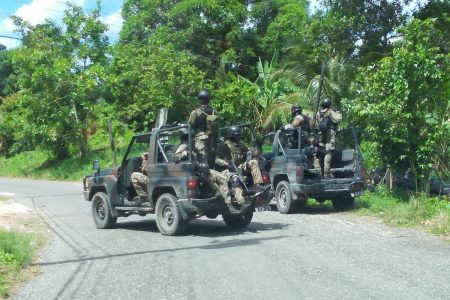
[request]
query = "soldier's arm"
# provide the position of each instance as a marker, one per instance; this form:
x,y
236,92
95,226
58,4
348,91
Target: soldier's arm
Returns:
x,y
221,156
181,153
298,120
193,117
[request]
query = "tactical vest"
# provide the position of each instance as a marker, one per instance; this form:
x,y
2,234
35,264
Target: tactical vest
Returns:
x,y
201,124
237,152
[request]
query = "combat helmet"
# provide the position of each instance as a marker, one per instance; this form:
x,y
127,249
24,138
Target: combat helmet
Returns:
x,y
326,103
204,97
233,131
296,109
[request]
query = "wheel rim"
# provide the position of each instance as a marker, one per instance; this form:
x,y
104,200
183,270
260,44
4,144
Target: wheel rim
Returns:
x,y
101,210
283,197
168,215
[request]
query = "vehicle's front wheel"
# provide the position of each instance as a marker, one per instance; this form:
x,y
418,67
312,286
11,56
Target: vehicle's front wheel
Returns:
x,y
283,197
238,221
168,215
101,211
343,203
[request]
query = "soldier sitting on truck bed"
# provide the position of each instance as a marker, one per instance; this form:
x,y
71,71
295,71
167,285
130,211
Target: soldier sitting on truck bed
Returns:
x,y
216,180
234,152
139,180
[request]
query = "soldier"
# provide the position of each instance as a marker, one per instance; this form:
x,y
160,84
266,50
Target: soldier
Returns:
x,y
199,118
328,120
299,120
214,179
233,150
139,180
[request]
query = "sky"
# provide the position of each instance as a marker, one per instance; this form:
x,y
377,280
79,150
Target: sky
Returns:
x,y
36,11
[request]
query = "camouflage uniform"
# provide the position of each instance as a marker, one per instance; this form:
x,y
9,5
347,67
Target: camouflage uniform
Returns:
x,y
327,139
198,122
301,120
236,152
139,180
215,180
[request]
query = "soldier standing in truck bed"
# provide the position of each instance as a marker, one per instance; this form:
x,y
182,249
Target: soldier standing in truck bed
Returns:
x,y
299,119
200,120
328,120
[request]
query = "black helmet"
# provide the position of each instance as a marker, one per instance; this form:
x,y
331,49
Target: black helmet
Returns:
x,y
296,109
233,131
326,103
204,97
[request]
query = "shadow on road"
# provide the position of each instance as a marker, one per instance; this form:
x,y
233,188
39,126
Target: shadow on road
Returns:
x,y
205,228
213,245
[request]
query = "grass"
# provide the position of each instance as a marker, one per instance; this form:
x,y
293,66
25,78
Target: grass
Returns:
x,y
41,165
17,250
419,211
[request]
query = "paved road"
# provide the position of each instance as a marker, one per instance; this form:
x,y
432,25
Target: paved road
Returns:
x,y
319,255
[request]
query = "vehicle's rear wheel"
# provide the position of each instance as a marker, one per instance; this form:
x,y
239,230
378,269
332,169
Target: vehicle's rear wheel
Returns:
x,y
101,211
168,215
238,221
283,197
343,203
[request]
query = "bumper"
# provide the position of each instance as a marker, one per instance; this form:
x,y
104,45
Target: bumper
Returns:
x,y
194,205
329,189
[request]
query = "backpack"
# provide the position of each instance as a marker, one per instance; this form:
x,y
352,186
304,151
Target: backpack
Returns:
x,y
325,124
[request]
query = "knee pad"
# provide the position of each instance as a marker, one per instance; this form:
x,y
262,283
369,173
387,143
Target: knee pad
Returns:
x,y
235,182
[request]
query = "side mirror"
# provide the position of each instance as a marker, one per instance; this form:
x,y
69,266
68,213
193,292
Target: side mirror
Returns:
x,y
96,166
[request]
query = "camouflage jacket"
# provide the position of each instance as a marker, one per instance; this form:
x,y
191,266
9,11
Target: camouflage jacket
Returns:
x,y
197,119
228,151
335,117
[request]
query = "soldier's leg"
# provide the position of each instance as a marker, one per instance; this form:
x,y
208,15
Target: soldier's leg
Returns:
x,y
221,181
327,164
139,181
200,144
237,189
253,165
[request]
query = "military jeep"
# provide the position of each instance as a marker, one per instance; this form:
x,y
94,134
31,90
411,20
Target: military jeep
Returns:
x,y
177,192
289,161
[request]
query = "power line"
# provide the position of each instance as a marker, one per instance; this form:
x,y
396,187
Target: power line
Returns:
x,y
9,37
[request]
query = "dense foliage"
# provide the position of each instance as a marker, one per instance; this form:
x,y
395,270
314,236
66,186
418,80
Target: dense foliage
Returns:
x,y
385,65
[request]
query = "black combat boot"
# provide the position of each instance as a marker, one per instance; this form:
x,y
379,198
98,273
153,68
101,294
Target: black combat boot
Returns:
x,y
140,200
259,189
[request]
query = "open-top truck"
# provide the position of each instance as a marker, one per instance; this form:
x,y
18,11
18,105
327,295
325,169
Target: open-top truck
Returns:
x,y
177,192
288,158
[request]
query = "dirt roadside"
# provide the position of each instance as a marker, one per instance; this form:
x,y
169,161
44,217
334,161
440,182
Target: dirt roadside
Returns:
x,y
17,217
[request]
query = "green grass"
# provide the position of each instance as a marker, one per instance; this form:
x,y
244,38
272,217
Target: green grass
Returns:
x,y
40,165
16,252
418,211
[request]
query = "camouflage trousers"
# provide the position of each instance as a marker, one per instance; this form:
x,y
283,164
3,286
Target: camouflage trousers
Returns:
x,y
201,145
329,142
237,188
139,181
219,181
253,167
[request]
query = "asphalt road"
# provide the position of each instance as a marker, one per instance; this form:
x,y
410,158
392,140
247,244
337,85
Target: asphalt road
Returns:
x,y
318,255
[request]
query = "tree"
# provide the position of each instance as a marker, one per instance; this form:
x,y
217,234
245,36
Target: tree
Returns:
x,y
402,102
64,73
7,74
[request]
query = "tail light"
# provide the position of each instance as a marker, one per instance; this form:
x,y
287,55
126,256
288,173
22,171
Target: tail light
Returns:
x,y
300,174
265,178
192,183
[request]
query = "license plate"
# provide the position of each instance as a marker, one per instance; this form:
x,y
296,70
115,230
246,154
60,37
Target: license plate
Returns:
x,y
356,194
263,208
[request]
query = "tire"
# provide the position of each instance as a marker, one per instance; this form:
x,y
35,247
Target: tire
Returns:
x,y
238,221
343,203
283,197
101,211
168,215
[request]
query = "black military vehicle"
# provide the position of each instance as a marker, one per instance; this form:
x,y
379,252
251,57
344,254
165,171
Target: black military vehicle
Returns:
x,y
177,192
289,160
